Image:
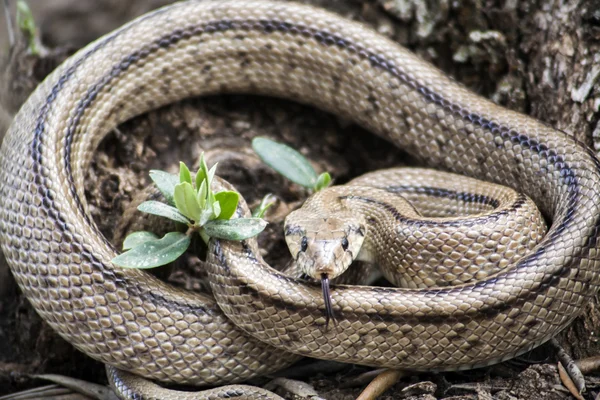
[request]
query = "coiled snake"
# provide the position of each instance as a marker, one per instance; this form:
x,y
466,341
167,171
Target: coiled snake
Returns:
x,y
136,323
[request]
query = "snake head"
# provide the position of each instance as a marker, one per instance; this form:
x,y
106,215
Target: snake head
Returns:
x,y
324,245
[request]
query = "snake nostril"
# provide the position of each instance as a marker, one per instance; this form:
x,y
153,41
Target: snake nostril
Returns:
x,y
304,244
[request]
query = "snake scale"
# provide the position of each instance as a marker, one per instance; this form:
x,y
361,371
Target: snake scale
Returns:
x,y
136,323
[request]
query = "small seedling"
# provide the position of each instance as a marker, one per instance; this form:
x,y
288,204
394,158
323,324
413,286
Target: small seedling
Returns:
x,y
192,202
264,205
290,163
26,24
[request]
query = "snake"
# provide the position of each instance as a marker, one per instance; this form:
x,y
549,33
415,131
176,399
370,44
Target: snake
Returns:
x,y
420,227
141,326
401,220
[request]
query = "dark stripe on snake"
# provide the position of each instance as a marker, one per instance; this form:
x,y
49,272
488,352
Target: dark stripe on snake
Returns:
x,y
520,201
446,193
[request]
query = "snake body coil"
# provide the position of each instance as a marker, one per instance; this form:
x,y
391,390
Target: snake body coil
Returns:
x,y
134,322
420,227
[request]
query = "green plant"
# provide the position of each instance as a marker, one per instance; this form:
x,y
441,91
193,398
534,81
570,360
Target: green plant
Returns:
x,y
191,202
290,163
26,24
264,205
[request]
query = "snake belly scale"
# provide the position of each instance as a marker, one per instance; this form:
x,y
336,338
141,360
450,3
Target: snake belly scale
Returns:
x,y
134,322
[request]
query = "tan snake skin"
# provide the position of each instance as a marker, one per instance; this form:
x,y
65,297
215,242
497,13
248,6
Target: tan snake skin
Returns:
x,y
421,227
130,320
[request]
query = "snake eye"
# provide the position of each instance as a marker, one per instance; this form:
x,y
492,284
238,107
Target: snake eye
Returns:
x,y
304,244
345,244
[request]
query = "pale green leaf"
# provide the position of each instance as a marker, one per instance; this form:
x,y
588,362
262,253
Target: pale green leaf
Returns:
x,y
285,160
228,202
202,195
202,171
323,181
211,197
185,200
184,173
207,215
216,209
154,253
264,205
163,210
211,174
234,229
26,24
165,182
136,238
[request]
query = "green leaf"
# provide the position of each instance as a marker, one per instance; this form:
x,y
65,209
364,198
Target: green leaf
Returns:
x,y
163,210
207,215
211,197
26,24
185,200
136,238
264,205
285,160
211,174
202,171
154,253
184,173
209,178
234,229
216,209
165,182
323,181
202,192
228,202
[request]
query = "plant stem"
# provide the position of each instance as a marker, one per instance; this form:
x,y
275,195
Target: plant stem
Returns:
x,y
204,236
